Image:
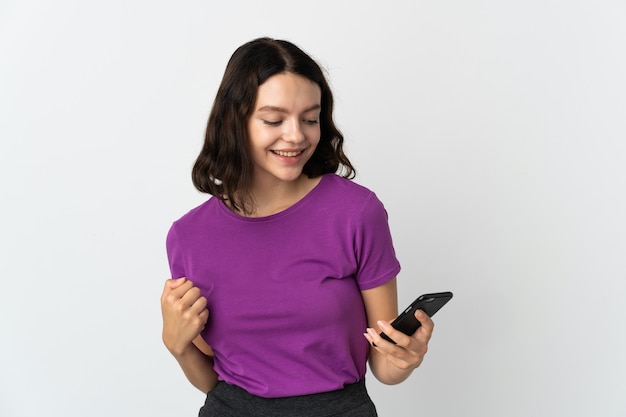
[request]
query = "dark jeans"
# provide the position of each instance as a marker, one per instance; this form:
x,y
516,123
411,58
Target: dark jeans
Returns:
x,y
227,400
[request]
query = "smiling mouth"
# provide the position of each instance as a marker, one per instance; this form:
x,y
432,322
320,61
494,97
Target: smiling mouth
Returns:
x,y
287,154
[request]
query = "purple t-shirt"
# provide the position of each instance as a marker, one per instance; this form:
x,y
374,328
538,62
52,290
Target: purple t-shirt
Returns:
x,y
286,315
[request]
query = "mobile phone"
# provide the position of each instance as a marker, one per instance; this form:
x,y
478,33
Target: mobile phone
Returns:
x,y
429,303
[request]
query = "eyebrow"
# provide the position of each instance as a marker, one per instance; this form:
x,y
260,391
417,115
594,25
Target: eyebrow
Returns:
x,y
281,110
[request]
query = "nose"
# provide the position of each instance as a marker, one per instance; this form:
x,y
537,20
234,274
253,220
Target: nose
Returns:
x,y
293,131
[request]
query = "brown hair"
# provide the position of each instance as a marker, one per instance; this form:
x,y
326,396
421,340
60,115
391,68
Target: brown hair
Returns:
x,y
224,167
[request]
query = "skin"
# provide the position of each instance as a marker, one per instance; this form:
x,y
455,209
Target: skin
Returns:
x,y
392,364
184,316
284,131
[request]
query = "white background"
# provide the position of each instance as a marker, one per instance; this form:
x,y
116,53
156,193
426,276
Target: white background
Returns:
x,y
493,131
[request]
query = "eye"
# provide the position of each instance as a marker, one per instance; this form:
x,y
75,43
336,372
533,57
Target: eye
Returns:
x,y
311,121
272,123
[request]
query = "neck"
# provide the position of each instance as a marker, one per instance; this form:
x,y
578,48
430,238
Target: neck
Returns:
x,y
275,197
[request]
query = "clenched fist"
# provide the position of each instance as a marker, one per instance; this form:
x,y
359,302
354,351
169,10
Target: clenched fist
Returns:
x,y
184,314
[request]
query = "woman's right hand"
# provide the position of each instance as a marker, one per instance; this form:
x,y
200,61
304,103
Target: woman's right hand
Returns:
x,y
184,314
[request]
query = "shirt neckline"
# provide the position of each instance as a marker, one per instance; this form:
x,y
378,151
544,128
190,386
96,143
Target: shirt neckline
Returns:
x,y
275,216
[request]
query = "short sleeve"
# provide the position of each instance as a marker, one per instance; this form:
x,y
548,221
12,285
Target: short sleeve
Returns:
x,y
175,254
376,256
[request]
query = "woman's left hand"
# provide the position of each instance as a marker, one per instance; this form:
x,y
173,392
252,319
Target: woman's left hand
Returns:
x,y
408,352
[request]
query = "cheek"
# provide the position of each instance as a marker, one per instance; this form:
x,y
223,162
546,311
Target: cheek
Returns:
x,y
314,135
259,137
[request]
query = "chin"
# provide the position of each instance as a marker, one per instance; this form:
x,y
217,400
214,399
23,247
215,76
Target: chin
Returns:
x,y
290,178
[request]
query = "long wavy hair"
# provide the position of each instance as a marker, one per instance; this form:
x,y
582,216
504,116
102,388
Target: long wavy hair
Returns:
x,y
224,167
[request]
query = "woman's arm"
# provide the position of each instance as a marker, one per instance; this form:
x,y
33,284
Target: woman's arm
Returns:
x,y
392,364
184,316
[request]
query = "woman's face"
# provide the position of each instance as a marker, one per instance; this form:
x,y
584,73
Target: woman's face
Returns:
x,y
284,127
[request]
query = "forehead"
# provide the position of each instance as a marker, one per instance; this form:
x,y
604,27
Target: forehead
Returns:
x,y
288,91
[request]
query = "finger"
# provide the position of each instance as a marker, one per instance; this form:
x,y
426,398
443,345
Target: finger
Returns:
x,y
373,337
197,315
427,327
204,315
397,336
170,285
202,318
175,282
182,289
198,306
424,318
174,295
190,297
376,340
397,355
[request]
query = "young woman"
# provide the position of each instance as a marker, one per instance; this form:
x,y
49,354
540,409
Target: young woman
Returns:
x,y
285,277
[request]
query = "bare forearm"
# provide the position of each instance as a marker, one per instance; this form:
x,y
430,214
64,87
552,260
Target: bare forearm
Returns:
x,y
198,368
393,363
184,316
386,372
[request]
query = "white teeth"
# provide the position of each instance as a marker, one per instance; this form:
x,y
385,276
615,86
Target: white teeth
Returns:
x,y
282,153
